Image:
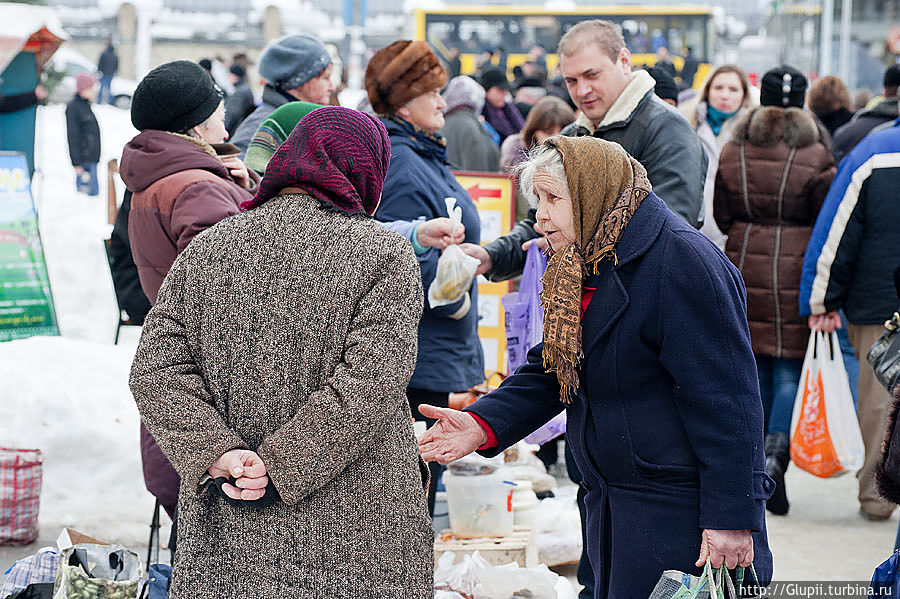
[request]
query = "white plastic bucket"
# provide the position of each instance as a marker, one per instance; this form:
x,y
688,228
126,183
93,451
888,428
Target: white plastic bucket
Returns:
x,y
479,505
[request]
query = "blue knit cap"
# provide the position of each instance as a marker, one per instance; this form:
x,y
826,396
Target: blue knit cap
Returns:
x,y
291,61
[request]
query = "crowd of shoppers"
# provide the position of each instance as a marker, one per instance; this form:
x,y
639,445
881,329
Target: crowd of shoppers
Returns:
x,y
629,195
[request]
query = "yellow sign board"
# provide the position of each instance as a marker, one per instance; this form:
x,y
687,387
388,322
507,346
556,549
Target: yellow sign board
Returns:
x,y
494,197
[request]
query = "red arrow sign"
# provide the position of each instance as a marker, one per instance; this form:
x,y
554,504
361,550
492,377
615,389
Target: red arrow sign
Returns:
x,y
477,192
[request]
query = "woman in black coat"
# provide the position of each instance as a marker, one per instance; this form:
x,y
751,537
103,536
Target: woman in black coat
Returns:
x,y
646,346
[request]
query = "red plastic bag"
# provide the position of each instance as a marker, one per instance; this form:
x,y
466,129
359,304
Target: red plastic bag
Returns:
x,y
20,495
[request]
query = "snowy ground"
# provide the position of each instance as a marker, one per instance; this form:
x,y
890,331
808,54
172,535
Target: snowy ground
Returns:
x,y
69,396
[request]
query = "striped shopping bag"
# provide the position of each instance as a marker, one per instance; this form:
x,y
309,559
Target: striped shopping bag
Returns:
x,y
20,495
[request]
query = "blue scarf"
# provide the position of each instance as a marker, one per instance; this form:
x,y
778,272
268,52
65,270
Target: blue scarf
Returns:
x,y
716,118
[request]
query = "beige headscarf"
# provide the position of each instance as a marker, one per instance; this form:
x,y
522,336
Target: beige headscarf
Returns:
x,y
607,186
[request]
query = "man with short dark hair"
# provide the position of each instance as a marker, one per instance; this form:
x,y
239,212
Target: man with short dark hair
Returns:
x,y
616,105
863,122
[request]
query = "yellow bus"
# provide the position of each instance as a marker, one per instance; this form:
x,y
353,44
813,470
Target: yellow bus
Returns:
x,y
472,29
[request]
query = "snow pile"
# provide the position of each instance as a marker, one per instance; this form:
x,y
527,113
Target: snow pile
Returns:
x,y
70,399
69,396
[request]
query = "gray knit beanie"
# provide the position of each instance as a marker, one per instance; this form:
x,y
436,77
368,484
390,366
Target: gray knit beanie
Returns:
x,y
291,61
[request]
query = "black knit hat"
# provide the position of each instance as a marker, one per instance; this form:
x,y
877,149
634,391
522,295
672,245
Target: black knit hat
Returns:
x,y
665,87
174,97
784,87
494,78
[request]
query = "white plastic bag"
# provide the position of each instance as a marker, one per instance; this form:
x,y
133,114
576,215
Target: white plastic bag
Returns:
x,y
455,270
825,437
504,582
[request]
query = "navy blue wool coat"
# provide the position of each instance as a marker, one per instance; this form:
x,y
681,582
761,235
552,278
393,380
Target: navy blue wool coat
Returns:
x,y
450,357
667,425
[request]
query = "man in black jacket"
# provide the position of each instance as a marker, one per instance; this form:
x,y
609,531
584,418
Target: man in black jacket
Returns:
x,y
107,66
84,134
863,122
616,105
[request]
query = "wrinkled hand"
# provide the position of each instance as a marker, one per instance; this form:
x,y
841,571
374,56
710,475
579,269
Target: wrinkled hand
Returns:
x,y
541,242
79,171
455,435
478,252
732,547
439,233
249,470
827,322
40,92
238,171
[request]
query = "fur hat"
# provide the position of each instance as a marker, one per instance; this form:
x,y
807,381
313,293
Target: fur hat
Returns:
x,y
400,72
174,97
784,86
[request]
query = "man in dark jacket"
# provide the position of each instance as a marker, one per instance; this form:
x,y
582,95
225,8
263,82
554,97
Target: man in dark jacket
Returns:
x,y
863,122
295,67
240,104
616,105
84,134
107,66
849,264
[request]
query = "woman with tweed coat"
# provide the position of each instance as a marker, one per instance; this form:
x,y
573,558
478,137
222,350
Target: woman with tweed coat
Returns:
x,y
272,373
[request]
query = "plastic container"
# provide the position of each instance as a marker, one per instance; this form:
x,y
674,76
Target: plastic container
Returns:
x,y
480,503
524,504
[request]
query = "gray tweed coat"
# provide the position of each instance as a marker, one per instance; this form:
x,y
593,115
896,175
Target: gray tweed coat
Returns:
x,y
291,330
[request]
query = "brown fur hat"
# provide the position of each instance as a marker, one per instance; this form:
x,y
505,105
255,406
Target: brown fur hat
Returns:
x,y
400,72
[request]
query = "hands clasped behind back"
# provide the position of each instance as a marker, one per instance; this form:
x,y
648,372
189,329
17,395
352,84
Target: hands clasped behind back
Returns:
x,y
247,468
456,434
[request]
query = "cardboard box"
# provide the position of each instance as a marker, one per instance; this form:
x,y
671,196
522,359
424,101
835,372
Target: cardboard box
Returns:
x,y
519,547
70,537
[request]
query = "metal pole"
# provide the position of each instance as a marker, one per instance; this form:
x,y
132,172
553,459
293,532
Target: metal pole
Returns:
x,y
825,66
846,17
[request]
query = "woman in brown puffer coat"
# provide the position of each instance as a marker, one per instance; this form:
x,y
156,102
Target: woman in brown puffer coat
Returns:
x,y
772,179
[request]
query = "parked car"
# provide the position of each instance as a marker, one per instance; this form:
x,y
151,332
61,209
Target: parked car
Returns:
x,y
70,62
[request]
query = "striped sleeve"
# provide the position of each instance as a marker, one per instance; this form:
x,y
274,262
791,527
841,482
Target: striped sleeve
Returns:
x,y
837,234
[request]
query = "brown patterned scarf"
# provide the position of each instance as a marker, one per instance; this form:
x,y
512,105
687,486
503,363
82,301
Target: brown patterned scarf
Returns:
x,y
607,186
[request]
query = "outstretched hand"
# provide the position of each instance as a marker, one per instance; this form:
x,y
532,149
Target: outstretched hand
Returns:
x,y
440,233
455,435
247,468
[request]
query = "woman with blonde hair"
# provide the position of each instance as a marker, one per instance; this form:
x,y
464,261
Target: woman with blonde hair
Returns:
x,y
725,95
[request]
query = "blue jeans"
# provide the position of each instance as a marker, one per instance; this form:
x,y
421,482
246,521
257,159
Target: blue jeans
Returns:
x,y
105,93
779,379
87,182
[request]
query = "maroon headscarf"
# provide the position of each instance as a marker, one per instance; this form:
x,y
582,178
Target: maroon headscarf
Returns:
x,y
337,155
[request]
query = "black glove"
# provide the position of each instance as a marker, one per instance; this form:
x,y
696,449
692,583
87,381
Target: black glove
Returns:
x,y
266,500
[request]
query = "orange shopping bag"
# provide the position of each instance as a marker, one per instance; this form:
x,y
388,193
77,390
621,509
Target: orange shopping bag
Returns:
x,y
825,437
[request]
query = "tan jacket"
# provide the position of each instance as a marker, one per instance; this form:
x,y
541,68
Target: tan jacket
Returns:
x,y
291,330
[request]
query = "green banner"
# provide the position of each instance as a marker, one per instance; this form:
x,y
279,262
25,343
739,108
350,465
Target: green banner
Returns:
x,y
26,304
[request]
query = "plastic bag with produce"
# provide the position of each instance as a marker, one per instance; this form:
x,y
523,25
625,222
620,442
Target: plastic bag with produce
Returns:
x,y
455,270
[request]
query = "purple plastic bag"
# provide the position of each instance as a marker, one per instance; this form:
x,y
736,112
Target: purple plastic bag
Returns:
x,y
524,316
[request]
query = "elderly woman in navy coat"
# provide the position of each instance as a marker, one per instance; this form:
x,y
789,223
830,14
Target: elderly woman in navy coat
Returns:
x,y
646,346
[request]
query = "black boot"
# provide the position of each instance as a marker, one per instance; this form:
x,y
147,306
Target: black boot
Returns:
x,y
777,457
